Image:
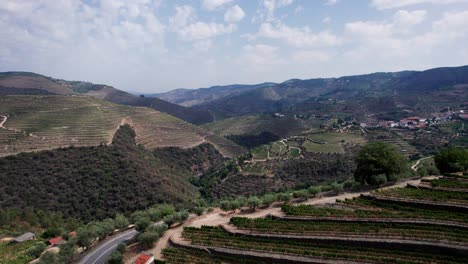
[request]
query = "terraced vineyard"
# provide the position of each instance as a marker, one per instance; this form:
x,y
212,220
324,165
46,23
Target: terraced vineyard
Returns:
x,y
392,138
45,122
360,230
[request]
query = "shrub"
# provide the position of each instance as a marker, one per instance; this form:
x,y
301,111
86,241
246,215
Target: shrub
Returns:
x,y
452,160
36,250
115,258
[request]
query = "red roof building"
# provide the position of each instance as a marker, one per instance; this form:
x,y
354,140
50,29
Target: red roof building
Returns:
x,y
55,241
144,258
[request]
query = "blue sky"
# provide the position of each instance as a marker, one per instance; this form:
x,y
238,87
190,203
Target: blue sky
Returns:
x,y
159,45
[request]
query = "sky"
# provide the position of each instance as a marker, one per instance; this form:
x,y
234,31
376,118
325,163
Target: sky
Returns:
x,y
155,46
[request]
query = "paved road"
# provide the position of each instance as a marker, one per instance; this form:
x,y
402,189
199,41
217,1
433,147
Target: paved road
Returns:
x,y
100,253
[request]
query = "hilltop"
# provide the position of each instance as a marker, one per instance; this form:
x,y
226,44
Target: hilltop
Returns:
x,y
26,83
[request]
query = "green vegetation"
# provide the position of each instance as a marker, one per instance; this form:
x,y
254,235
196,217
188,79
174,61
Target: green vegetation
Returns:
x,y
396,230
423,194
448,183
252,141
184,255
92,183
378,163
372,209
215,236
15,253
452,160
48,122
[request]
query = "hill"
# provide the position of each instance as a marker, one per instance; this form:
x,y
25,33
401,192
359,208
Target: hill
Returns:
x,y
92,183
46,122
14,83
192,97
388,95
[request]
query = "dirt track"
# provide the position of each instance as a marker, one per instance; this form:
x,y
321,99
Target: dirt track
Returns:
x,y
219,217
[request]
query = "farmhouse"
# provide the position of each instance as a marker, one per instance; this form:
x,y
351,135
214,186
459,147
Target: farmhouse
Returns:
x,y
144,258
24,237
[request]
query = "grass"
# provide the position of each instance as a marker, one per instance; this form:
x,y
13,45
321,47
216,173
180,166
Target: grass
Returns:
x,y
14,253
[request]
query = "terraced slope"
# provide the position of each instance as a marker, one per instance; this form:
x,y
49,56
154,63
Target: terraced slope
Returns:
x,y
46,122
352,231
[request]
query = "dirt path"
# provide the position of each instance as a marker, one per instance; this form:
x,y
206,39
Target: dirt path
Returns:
x,y
3,121
414,167
219,217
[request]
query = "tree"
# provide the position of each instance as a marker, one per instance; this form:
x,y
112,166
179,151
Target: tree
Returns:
x,y
36,250
302,194
379,158
142,223
314,190
268,199
452,160
284,197
85,236
115,258
147,239
336,187
120,222
253,202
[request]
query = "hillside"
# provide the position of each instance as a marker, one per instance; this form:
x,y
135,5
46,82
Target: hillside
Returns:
x,y
389,95
16,83
91,183
192,97
46,122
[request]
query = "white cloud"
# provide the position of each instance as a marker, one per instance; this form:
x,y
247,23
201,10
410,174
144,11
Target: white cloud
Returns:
x,y
388,4
259,54
297,37
283,3
234,14
213,4
409,18
202,30
331,2
298,9
311,56
183,16
326,20
267,9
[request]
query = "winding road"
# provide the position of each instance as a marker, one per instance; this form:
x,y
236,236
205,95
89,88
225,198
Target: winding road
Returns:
x,y
102,251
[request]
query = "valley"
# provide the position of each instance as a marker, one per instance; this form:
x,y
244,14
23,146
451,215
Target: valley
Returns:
x,y
314,171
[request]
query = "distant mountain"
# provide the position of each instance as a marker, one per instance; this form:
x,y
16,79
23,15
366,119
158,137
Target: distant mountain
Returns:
x,y
31,83
389,95
193,97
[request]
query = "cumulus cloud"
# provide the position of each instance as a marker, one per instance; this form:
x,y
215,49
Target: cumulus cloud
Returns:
x,y
213,4
202,30
183,16
388,4
234,14
297,37
409,18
